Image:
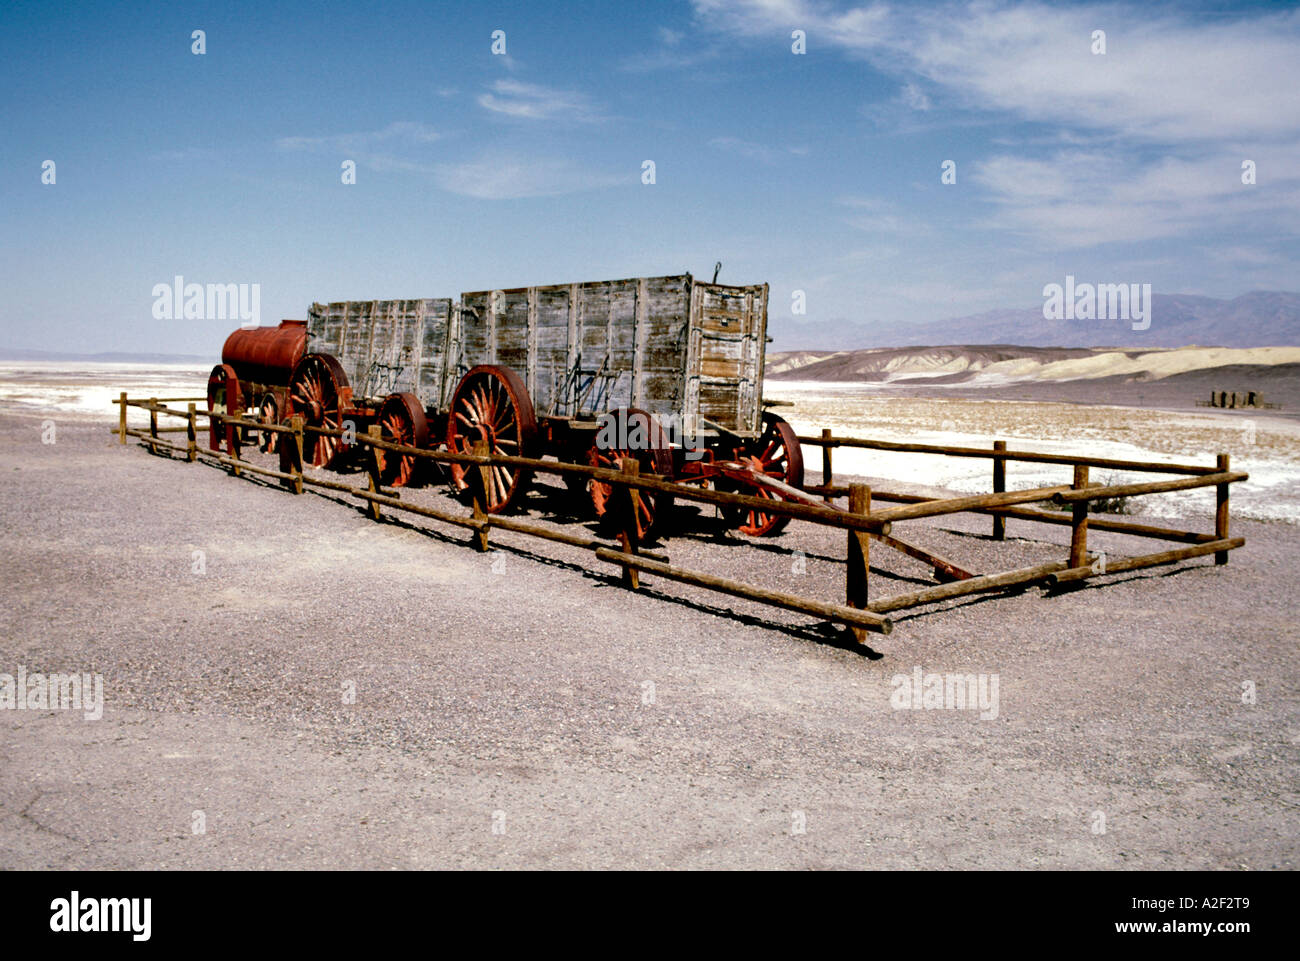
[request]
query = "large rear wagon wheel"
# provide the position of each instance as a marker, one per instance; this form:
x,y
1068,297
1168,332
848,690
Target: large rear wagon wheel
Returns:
x,y
403,422
777,454
223,398
492,403
319,392
632,433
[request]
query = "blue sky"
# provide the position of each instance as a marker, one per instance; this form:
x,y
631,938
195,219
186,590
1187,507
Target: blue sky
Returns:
x,y
817,172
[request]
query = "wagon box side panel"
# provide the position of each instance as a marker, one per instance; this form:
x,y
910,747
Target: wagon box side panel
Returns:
x,y
621,341
512,334
663,341
595,371
630,345
728,342
397,362
583,349
385,346
325,328
552,391
476,328
357,324
436,347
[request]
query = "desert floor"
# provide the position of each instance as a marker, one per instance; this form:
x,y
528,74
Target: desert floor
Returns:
x,y
520,709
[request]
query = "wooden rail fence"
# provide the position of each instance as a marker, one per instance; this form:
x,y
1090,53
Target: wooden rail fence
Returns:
x,y
862,521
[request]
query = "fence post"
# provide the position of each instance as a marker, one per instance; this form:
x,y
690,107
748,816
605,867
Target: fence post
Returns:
x,y
121,418
291,455
1221,511
480,481
286,457
191,436
233,446
628,501
999,487
827,476
1079,521
374,432
858,562
153,423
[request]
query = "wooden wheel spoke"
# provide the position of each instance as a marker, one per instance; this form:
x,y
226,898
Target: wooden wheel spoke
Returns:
x,y
505,479
506,423
490,403
480,405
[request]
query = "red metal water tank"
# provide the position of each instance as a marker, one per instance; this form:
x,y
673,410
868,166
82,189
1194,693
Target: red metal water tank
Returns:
x,y
266,355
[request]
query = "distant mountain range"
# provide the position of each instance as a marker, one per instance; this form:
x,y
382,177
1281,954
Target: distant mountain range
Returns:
x,y
1257,319
1004,365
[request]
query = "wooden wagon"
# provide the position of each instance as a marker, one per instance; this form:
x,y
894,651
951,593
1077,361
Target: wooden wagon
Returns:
x,y
667,370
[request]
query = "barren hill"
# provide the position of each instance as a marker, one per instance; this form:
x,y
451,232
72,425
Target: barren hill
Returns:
x,y
1256,319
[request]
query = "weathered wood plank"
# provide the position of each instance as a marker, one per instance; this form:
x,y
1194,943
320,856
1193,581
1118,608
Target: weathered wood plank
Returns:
x,y
581,348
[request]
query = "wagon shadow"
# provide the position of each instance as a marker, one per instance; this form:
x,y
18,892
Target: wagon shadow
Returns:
x,y
559,505
823,634
719,534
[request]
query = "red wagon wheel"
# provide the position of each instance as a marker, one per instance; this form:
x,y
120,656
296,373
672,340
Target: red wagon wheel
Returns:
x,y
268,412
777,454
223,398
632,432
403,422
492,403
319,392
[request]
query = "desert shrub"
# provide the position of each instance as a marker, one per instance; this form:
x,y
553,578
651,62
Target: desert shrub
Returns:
x,y
1104,505
1110,505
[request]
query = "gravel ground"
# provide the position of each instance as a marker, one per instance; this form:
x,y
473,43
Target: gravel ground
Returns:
x,y
520,709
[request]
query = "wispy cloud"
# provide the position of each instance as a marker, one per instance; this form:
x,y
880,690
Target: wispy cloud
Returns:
x,y
511,178
400,132
879,217
913,96
528,101
671,53
400,147
1141,143
1082,199
1163,78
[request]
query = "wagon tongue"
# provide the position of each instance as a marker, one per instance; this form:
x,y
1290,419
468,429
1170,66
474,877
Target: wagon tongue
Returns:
x,y
747,474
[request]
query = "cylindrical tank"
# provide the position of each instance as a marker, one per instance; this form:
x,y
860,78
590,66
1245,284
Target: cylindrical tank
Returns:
x,y
266,355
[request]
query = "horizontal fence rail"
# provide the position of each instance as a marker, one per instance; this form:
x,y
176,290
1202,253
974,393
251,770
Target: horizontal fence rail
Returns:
x,y
861,522
1033,457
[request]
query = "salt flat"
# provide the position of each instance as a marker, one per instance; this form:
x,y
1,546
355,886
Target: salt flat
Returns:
x,y
1259,442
